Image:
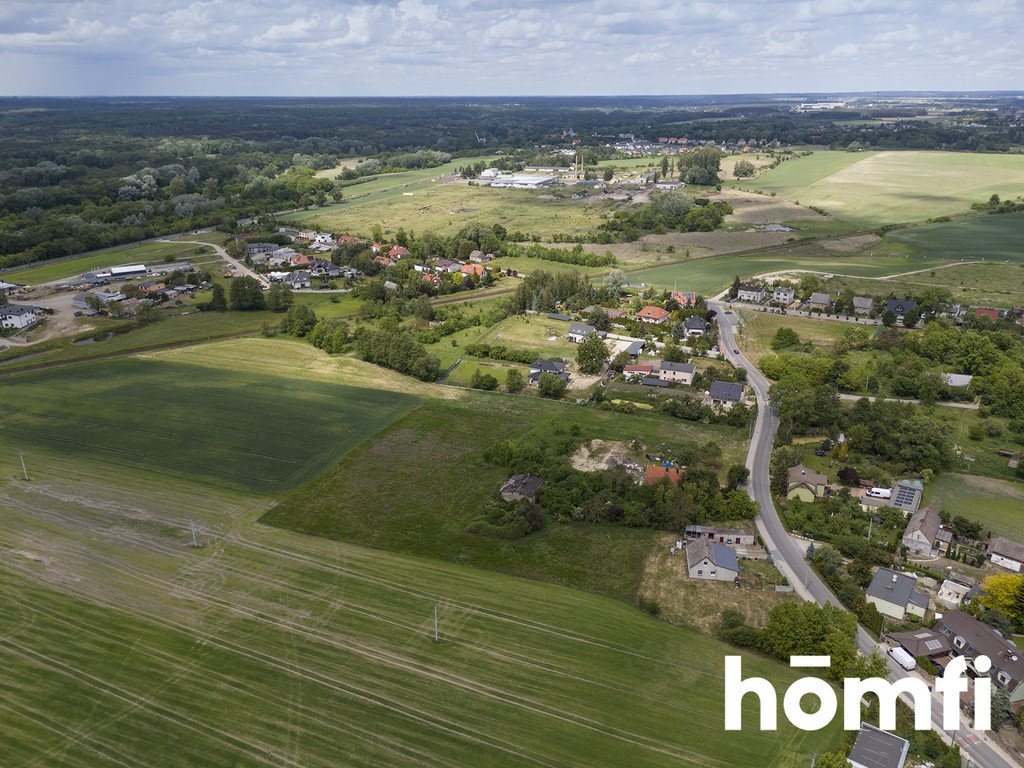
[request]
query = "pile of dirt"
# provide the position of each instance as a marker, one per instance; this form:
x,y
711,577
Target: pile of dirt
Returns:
x,y
598,455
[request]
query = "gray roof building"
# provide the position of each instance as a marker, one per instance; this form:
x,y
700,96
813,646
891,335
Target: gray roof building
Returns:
x,y
719,554
650,381
726,391
971,638
862,304
521,487
957,379
665,365
696,323
906,495
547,366
922,642
901,306
875,748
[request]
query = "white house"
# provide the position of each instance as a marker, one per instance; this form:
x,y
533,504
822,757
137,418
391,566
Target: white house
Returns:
x,y
710,560
695,326
954,591
13,316
753,293
678,373
1006,554
783,294
579,331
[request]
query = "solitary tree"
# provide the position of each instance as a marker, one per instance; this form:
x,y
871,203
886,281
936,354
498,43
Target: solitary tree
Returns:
x,y
592,354
246,294
551,385
218,300
514,380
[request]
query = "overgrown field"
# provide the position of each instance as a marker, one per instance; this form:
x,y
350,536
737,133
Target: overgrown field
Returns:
x,y
875,188
989,284
258,432
758,328
418,485
446,208
125,645
151,253
997,504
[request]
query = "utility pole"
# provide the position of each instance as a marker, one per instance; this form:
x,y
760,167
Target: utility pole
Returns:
x,y
24,470
436,638
192,526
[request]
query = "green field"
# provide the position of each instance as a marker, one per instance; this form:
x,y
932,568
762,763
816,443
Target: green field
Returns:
x,y
447,208
997,504
758,328
124,645
713,274
263,433
875,188
151,253
437,450
992,285
996,237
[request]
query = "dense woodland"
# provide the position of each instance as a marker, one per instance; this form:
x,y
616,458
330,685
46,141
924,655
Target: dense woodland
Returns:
x,y
76,175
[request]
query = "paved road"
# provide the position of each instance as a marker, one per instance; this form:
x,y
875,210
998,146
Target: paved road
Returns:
x,y
944,403
982,753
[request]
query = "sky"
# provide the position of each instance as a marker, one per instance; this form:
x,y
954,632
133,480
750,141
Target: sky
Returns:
x,y
505,47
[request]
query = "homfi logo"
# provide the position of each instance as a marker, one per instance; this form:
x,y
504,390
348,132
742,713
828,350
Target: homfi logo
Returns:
x,y
952,683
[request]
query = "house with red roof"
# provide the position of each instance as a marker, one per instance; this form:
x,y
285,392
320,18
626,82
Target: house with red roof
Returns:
x,y
473,270
656,473
637,372
347,240
383,260
653,315
301,260
989,312
398,252
685,298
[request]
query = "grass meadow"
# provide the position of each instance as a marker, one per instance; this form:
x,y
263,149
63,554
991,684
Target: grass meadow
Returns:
x,y
997,504
125,645
876,188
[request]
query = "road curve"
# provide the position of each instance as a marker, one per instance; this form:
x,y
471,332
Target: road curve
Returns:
x,y
977,748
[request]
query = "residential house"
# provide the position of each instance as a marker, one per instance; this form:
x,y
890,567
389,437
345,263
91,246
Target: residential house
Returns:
x,y
875,748
480,257
252,249
384,261
989,312
634,348
306,234
447,265
900,306
676,373
906,495
695,326
473,270
725,393
637,372
616,314
862,305
579,331
520,487
323,238
18,317
895,595
685,298
921,642
957,380
730,536
301,260
152,286
749,292
348,240
559,316
971,638
431,279
398,252
324,268
1006,554
537,367
806,484
783,294
81,300
390,285
653,315
921,534
711,560
819,301
298,280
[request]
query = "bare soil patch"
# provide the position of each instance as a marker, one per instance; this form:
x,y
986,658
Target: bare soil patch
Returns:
x,y
598,455
852,243
750,208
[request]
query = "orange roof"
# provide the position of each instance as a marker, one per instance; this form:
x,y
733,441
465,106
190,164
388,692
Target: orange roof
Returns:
x,y
398,250
654,313
656,472
472,269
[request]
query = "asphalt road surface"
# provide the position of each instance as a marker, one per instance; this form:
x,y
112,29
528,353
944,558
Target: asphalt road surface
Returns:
x,y
977,748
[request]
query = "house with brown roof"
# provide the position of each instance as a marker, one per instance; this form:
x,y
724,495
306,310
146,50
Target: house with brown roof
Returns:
x,y
1006,554
653,315
922,532
473,270
970,638
685,298
806,484
398,252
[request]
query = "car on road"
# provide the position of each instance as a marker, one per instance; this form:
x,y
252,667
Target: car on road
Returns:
x,y
735,351
819,452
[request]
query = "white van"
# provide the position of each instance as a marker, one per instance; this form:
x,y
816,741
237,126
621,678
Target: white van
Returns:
x,y
904,659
